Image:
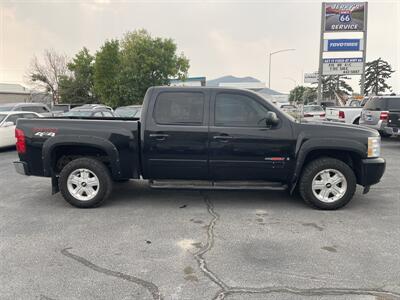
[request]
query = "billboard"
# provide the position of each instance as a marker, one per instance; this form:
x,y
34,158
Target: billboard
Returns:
x,y
343,66
311,77
343,45
344,16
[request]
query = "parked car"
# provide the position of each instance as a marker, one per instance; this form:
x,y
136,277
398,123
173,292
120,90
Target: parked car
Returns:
x,y
39,108
204,138
7,125
131,111
326,104
393,126
313,112
376,112
349,114
94,106
59,109
97,112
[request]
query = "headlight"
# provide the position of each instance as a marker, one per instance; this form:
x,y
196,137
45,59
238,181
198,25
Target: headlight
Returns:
x,y
374,146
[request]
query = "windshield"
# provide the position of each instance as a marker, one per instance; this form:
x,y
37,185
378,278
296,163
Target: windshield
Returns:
x,y
131,112
2,117
6,108
78,113
312,108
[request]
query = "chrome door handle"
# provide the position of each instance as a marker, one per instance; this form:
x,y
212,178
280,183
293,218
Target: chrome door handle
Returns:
x,y
159,136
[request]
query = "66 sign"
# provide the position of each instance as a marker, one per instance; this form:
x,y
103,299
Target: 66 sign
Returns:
x,y
345,16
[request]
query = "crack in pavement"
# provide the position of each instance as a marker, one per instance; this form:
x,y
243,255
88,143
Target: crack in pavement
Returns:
x,y
151,287
227,290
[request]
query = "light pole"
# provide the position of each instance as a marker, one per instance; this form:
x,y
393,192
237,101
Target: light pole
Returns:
x,y
269,66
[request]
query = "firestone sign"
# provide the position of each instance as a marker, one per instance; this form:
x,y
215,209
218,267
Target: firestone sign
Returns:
x,y
344,16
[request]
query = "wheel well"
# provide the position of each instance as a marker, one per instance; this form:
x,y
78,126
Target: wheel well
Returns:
x,y
352,159
62,155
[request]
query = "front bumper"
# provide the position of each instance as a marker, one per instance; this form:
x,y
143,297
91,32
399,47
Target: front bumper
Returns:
x,y
21,168
392,131
371,171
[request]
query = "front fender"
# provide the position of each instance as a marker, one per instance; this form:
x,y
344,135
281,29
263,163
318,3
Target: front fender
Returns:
x,y
82,140
303,148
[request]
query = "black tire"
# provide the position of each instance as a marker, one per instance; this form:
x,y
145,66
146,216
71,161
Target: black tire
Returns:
x,y
356,121
95,166
318,165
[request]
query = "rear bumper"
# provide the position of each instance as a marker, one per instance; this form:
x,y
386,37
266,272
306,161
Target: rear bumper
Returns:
x,y
372,170
380,126
21,168
392,131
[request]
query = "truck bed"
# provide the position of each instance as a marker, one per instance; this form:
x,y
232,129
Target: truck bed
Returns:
x,y
118,137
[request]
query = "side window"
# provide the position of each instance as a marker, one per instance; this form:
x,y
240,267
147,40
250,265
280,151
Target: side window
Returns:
x,y
238,111
29,116
34,108
394,104
97,114
179,108
107,114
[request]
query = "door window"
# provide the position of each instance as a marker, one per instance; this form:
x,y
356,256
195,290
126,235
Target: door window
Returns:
x,y
107,114
238,111
179,108
35,108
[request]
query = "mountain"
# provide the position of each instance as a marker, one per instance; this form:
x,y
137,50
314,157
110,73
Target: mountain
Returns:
x,y
230,78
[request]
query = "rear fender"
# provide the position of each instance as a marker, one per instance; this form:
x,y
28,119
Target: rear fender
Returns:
x,y
83,140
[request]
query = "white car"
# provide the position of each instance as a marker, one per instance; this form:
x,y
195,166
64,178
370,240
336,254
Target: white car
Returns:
x,y
313,112
8,121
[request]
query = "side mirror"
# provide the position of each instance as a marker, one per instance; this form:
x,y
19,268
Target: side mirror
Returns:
x,y
7,124
271,119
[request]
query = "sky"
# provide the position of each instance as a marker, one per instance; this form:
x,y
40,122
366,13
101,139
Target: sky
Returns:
x,y
219,37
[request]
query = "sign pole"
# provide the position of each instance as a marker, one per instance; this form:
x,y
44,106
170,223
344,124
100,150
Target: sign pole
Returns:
x,y
321,49
362,91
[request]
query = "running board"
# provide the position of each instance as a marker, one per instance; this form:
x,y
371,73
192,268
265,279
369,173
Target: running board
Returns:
x,y
218,185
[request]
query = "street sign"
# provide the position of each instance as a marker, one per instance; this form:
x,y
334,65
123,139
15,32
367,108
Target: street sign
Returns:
x,y
311,77
344,16
342,66
343,45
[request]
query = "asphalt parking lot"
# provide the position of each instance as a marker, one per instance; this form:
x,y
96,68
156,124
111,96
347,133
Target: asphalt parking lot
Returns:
x,y
167,244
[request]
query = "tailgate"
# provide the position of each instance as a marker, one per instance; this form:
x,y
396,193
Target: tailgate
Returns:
x,y
332,114
394,119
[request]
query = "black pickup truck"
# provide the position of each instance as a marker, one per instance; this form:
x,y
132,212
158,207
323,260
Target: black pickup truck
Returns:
x,y
203,138
393,126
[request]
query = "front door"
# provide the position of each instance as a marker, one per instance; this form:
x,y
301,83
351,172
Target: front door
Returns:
x,y
242,146
176,135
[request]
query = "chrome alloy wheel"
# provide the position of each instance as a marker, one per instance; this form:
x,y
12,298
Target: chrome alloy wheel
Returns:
x,y
83,184
329,185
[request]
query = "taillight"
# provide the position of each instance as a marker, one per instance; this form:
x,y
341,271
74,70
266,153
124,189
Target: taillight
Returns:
x,y
307,115
384,115
322,115
341,114
21,144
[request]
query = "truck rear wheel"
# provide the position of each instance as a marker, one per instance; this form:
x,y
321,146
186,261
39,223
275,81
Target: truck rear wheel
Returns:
x,y
327,183
85,183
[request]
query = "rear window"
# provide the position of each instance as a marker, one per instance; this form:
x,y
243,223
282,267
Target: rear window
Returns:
x,y
383,104
179,108
394,104
376,104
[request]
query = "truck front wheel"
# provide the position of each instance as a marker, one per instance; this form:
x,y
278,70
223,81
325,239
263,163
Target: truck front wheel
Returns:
x,y
327,183
85,183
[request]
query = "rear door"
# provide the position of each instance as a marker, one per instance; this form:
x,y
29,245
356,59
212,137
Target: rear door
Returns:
x,y
242,146
7,134
176,135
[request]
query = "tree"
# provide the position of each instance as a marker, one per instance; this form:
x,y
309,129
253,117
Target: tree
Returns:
x,y
107,70
147,61
78,87
376,74
309,95
335,84
296,95
46,74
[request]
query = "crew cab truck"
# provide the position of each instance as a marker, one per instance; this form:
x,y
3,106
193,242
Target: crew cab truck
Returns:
x,y
203,138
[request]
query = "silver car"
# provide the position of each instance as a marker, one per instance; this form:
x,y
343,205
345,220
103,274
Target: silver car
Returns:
x,y
376,112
